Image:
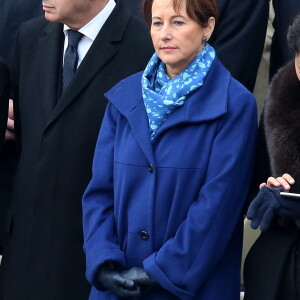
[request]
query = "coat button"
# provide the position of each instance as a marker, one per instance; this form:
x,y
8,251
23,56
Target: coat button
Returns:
x,y
144,235
150,168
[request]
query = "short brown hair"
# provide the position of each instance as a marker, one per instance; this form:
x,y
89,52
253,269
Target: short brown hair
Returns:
x,y
198,10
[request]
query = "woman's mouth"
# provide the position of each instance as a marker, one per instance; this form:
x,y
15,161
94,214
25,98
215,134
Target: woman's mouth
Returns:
x,y
168,49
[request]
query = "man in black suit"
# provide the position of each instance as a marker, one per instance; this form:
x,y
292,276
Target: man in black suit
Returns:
x,y
4,93
56,131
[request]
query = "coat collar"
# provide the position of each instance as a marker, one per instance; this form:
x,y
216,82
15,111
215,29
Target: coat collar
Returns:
x,y
49,51
207,103
100,53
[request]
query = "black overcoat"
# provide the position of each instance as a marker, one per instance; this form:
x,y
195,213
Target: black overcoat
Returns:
x,y
43,256
4,95
239,37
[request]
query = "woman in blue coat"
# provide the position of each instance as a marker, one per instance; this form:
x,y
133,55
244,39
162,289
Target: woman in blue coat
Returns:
x,y
162,214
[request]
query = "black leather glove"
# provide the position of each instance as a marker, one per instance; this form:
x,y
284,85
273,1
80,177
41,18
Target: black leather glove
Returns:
x,y
112,279
141,279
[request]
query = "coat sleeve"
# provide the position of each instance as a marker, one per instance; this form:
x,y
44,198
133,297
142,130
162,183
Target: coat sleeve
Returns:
x,y
184,263
98,203
239,37
4,95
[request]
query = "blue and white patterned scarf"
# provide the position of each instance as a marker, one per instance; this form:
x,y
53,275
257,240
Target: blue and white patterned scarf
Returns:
x,y
162,95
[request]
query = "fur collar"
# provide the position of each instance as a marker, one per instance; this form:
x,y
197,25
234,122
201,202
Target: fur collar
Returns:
x,y
282,124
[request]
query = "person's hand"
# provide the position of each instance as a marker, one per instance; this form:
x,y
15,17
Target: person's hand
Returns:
x,y
113,280
140,277
264,207
269,203
10,128
285,181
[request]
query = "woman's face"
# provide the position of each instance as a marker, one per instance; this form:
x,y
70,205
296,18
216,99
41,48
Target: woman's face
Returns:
x,y
297,65
177,38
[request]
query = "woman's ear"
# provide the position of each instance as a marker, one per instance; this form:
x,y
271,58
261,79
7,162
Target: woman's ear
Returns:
x,y
208,30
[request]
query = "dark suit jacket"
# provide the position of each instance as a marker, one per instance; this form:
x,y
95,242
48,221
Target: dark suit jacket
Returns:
x,y
239,37
135,6
280,52
43,255
4,93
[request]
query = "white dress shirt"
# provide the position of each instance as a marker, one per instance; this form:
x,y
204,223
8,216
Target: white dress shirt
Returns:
x,y
90,31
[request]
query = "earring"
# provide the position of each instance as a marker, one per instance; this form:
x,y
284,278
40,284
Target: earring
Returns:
x,y
204,39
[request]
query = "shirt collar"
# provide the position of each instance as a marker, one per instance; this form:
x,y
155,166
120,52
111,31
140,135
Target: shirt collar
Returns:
x,y
92,28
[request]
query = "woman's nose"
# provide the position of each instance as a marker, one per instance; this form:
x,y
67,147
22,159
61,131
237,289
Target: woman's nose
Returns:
x,y
165,33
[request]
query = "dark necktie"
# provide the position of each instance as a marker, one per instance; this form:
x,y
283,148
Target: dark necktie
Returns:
x,y
71,57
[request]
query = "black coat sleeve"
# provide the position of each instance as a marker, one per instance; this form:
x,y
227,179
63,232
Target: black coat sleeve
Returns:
x,y
239,37
4,96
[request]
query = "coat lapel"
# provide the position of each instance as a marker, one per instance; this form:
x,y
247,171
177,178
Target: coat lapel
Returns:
x,y
133,109
138,121
50,49
88,69
207,103
100,53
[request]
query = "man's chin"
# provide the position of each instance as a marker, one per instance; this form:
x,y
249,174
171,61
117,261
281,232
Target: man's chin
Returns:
x,y
50,17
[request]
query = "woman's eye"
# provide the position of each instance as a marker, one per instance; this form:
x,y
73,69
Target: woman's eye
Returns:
x,y
178,23
156,24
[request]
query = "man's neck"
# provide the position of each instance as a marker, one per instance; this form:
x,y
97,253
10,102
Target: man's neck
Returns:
x,y
86,17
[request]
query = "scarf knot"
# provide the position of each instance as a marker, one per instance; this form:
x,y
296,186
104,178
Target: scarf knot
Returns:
x,y
162,95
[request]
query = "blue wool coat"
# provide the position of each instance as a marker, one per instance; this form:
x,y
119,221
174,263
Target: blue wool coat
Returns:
x,y
173,205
